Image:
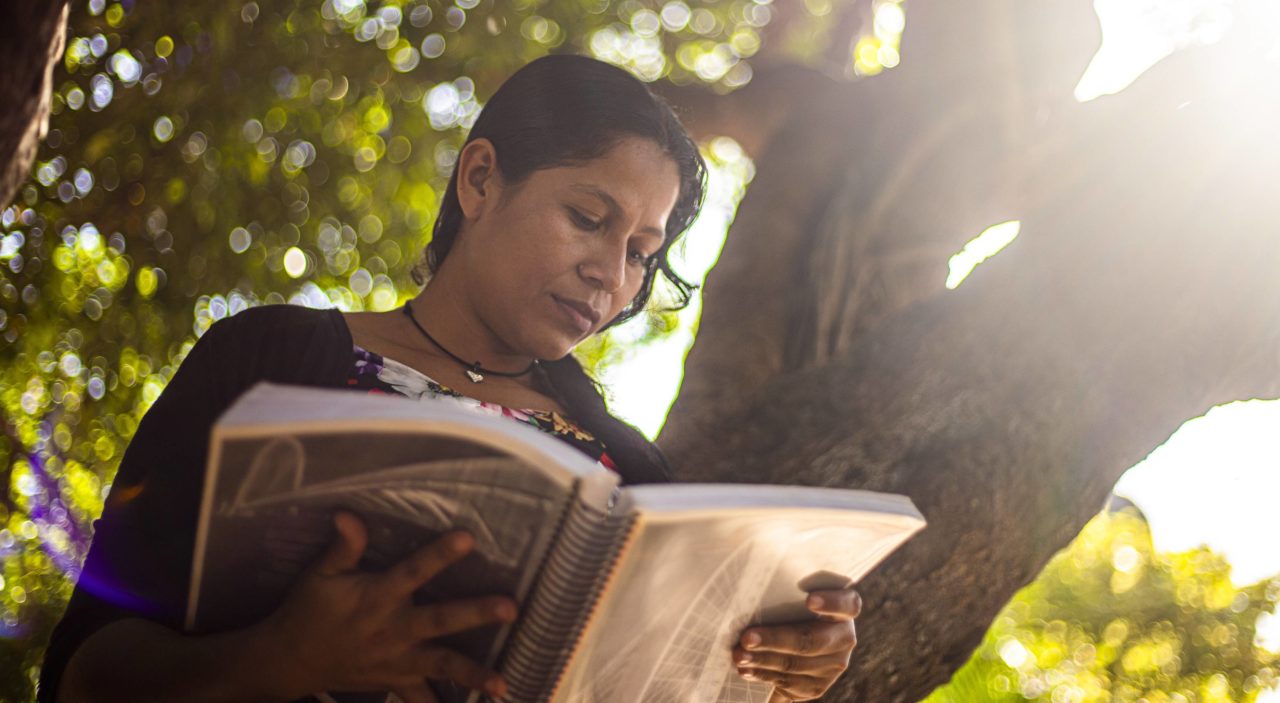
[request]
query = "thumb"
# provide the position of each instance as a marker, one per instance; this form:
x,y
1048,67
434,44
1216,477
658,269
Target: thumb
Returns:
x,y
345,552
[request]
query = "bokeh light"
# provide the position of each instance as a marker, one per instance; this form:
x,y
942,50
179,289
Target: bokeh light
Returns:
x,y
227,156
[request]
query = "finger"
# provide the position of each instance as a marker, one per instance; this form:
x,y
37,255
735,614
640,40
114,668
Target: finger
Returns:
x,y
837,605
345,552
440,663
777,696
423,565
794,687
811,638
437,620
822,665
415,694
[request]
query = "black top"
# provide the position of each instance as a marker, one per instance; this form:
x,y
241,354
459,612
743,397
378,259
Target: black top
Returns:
x,y
139,564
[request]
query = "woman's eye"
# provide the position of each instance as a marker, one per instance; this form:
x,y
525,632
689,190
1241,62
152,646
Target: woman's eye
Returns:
x,y
639,257
583,221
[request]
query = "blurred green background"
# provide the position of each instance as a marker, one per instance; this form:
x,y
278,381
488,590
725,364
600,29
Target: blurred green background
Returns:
x,y
203,158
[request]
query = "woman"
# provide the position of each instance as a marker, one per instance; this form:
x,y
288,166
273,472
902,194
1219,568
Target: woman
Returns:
x,y
565,199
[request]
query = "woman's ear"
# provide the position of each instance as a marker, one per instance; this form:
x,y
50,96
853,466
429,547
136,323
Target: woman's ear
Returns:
x,y
479,183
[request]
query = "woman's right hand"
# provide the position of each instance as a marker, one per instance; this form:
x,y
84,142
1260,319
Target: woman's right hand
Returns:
x,y
348,630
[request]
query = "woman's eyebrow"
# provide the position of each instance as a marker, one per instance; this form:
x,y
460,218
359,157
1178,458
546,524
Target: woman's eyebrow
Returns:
x,y
611,203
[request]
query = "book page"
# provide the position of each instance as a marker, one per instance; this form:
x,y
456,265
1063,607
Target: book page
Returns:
x,y
690,581
269,408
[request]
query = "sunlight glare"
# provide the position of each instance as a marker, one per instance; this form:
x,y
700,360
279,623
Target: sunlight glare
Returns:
x,y
979,249
1138,34
1267,636
1216,482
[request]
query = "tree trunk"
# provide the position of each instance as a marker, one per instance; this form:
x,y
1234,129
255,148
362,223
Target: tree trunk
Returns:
x,y
32,33
1142,291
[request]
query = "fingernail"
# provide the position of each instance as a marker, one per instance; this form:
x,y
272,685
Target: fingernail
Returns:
x,y
505,611
752,639
748,674
746,657
816,602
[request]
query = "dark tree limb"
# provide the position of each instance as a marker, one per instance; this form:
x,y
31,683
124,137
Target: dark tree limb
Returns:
x,y
780,88
1000,49
758,284
1008,408
32,34
800,278
1141,292
752,114
849,19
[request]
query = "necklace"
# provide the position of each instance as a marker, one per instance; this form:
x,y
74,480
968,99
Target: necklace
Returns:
x,y
475,372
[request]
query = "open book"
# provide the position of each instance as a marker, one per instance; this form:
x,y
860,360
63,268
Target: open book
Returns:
x,y
626,594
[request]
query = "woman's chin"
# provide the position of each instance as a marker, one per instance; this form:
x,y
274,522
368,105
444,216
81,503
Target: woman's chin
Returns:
x,y
541,347
551,349
555,353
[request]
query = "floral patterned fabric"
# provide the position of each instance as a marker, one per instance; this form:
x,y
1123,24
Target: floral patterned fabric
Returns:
x,y
375,373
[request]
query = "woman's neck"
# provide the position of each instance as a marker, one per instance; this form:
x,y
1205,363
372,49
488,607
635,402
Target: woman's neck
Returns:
x,y
445,312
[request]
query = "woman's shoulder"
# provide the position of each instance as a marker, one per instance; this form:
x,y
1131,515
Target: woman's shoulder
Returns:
x,y
282,342
283,317
280,324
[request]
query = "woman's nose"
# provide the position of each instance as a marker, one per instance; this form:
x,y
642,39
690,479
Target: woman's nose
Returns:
x,y
606,269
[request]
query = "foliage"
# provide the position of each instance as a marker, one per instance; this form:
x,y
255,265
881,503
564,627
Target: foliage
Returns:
x,y
207,157
1111,620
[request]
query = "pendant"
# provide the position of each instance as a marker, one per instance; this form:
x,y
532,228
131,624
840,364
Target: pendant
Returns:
x,y
474,376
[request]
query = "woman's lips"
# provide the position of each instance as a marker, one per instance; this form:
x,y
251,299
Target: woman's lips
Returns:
x,y
582,322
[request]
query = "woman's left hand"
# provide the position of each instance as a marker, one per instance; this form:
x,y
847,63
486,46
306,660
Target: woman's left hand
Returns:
x,y
802,661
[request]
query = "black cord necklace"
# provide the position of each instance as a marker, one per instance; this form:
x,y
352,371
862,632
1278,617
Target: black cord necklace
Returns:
x,y
475,372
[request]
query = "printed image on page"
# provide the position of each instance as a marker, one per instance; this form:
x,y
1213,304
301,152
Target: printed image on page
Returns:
x,y
689,585
273,507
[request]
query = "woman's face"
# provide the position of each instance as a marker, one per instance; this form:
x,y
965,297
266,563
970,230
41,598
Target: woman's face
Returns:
x,y
549,262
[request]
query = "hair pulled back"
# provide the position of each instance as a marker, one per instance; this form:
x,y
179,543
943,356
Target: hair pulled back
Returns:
x,y
563,110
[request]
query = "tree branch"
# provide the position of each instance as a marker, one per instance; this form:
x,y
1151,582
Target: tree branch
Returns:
x,y
1141,294
752,114
32,33
755,296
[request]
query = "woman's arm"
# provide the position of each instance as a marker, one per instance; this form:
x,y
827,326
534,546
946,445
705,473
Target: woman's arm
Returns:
x,y
139,660
139,564
338,629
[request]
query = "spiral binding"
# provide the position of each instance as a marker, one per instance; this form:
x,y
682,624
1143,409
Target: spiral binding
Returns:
x,y
575,572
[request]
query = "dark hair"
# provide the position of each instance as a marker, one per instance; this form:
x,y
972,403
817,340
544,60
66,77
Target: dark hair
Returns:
x,y
562,110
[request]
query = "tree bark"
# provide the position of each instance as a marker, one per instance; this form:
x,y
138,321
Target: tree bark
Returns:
x,y
752,114
1141,292
32,33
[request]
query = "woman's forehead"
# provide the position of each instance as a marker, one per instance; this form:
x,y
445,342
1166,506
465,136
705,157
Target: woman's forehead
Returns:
x,y
630,176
